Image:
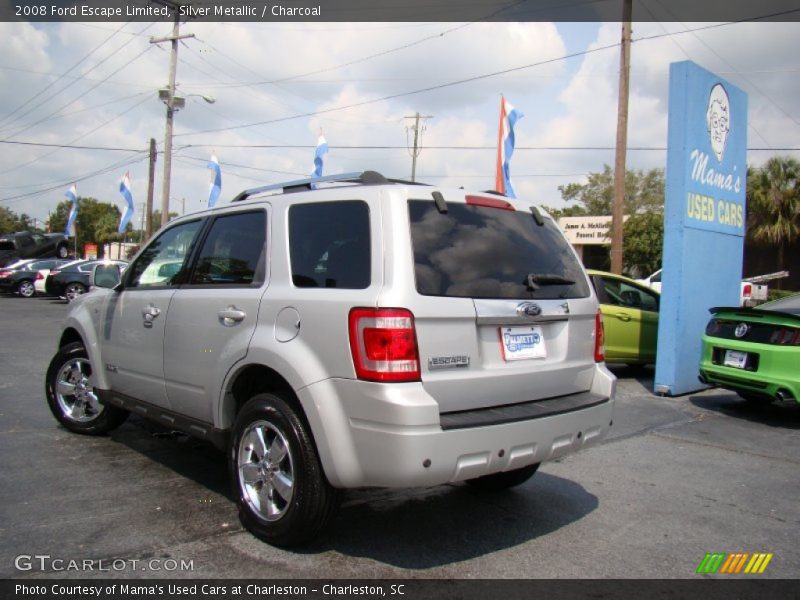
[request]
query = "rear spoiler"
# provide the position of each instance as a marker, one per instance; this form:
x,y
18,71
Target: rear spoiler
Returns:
x,y
753,312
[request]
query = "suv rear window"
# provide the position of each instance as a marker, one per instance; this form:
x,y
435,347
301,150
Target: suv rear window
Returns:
x,y
483,252
329,244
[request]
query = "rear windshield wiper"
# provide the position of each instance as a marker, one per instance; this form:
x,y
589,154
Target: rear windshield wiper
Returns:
x,y
536,280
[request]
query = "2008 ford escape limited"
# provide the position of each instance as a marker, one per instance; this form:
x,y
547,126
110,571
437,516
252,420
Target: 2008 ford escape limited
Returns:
x,y
357,332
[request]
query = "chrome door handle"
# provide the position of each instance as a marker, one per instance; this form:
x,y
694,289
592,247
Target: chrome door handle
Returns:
x,y
231,315
149,313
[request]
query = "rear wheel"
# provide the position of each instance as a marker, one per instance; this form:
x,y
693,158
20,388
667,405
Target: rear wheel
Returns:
x,y
71,395
25,288
73,290
502,481
281,490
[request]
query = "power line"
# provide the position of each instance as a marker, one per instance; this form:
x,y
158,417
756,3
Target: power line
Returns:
x,y
72,147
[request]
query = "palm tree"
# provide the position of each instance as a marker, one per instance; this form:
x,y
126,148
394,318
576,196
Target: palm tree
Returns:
x,y
773,204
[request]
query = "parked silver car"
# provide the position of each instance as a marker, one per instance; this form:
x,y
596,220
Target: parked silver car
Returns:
x,y
367,332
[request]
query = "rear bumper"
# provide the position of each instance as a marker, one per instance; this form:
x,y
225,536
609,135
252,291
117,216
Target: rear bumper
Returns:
x,y
775,375
371,434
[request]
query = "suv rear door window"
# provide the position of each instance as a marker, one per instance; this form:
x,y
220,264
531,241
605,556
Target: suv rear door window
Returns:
x,y
329,244
233,251
485,252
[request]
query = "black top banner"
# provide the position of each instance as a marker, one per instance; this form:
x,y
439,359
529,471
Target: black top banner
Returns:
x,y
397,10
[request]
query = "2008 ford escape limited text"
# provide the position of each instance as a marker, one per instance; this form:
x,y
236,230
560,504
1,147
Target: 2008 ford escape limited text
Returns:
x,y
356,332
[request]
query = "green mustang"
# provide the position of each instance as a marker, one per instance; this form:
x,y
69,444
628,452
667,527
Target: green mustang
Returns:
x,y
755,351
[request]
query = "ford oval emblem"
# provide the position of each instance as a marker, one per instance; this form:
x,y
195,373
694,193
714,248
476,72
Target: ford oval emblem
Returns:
x,y
741,330
528,309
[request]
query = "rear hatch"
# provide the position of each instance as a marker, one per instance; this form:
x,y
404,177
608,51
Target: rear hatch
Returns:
x,y
506,313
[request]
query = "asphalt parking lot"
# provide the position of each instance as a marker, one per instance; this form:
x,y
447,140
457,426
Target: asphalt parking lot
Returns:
x,y
677,478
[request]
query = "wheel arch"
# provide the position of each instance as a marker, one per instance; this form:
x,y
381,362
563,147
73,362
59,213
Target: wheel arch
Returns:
x,y
249,380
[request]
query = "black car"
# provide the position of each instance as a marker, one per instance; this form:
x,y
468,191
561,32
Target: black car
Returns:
x,y
73,279
24,244
20,279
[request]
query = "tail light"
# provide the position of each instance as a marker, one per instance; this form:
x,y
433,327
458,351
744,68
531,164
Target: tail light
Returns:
x,y
747,290
785,336
39,276
599,339
383,342
5,273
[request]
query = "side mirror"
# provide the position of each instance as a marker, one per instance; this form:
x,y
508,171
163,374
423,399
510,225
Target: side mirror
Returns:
x,y
106,276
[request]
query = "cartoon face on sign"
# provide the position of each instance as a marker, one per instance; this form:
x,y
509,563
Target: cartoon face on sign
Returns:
x,y
718,119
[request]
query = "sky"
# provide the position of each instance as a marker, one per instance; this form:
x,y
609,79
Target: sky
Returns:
x,y
278,86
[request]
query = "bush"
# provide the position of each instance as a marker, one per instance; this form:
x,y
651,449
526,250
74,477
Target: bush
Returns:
x,y
777,294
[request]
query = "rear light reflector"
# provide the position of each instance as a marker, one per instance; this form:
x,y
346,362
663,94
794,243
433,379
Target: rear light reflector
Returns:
x,y
599,339
383,342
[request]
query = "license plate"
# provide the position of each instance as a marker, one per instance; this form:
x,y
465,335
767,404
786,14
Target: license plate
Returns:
x,y
520,343
734,358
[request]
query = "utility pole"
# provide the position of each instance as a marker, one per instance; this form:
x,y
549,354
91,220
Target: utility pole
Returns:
x,y
415,152
151,184
617,208
168,97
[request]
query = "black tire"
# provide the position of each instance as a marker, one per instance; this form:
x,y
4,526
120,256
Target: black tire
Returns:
x,y
62,251
497,482
73,290
25,288
80,412
292,514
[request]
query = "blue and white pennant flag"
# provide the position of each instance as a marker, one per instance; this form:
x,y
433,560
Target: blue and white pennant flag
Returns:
x,y
125,190
505,147
72,196
322,149
215,187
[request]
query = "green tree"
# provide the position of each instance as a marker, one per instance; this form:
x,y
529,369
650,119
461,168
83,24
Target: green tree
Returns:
x,y
96,222
773,204
643,232
642,243
644,192
11,222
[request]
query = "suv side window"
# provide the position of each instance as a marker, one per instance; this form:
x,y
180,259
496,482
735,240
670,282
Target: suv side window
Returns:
x,y
329,245
233,251
170,248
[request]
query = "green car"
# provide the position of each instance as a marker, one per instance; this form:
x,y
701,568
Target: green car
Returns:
x,y
755,351
630,318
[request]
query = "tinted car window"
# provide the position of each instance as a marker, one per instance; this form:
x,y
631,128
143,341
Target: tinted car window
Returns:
x,y
482,252
174,244
233,251
329,244
621,293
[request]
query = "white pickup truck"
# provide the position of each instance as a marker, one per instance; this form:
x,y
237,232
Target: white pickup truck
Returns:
x,y
750,293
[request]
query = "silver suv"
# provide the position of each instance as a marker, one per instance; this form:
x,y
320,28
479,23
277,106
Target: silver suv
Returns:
x,y
344,332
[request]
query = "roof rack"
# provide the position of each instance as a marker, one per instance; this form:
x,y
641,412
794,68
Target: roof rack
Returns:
x,y
298,185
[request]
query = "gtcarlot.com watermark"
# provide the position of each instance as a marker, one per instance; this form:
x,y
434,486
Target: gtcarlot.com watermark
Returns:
x,y
48,563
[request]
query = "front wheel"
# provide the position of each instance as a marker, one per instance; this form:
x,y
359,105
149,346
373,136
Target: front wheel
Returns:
x,y
507,479
25,288
73,290
280,488
71,395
